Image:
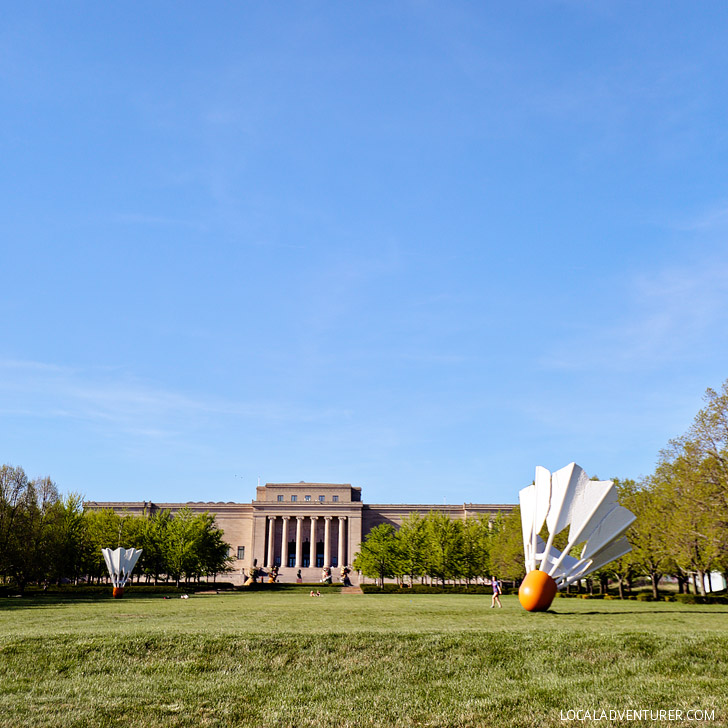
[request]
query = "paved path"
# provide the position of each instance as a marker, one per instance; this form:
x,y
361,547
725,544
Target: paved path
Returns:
x,y
351,590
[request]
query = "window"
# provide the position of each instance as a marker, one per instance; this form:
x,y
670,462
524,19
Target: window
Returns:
x,y
280,498
335,498
241,552
294,498
322,498
307,498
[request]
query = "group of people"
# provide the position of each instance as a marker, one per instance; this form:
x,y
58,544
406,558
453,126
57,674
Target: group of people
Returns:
x,y
326,575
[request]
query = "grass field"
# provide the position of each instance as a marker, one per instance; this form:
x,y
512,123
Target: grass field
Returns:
x,y
284,659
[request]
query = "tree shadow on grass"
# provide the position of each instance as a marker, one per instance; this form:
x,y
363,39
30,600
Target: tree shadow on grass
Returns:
x,y
632,613
8,604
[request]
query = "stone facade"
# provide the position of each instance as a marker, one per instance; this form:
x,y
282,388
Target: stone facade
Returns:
x,y
277,527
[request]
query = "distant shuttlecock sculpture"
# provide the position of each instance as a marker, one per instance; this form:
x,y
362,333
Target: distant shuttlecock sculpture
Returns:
x,y
595,519
120,563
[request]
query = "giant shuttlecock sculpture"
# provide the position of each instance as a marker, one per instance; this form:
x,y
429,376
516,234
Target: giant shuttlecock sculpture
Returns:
x,y
120,563
589,507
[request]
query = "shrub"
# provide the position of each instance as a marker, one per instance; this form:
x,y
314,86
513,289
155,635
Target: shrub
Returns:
x,y
698,599
94,590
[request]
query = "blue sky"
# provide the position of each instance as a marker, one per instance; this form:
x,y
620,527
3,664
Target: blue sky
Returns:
x,y
419,247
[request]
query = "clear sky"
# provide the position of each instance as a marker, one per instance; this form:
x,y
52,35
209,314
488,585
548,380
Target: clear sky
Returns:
x,y
418,247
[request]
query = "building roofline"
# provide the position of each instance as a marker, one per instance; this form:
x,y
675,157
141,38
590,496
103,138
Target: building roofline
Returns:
x,y
435,506
154,504
312,485
259,504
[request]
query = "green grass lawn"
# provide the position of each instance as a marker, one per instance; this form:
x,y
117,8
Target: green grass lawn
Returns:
x,y
284,659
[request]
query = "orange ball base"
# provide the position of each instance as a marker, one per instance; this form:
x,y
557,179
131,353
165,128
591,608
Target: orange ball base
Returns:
x,y
537,591
118,592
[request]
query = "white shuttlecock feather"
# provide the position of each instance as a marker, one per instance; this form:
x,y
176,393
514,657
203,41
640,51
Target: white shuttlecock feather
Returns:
x,y
588,507
120,563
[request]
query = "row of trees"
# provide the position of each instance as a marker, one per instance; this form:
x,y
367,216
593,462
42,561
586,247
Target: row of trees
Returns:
x,y
48,538
681,528
682,508
435,547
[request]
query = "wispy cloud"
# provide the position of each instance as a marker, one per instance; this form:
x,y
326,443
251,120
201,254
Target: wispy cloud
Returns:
x,y
667,316
116,402
712,218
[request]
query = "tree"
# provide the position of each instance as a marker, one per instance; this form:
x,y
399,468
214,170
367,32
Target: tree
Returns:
x,y
69,539
212,551
379,553
697,530
507,559
29,546
103,530
412,547
476,547
13,487
710,432
623,570
153,561
694,469
652,543
444,539
180,543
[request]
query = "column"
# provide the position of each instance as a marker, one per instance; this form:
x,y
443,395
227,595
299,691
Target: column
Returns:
x,y
327,540
271,534
299,543
251,556
353,532
312,557
342,525
284,543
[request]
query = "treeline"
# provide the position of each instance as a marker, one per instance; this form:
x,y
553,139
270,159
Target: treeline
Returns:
x,y
46,538
682,508
681,528
436,548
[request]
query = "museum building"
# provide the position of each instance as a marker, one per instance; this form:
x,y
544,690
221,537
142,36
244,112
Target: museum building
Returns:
x,y
304,526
